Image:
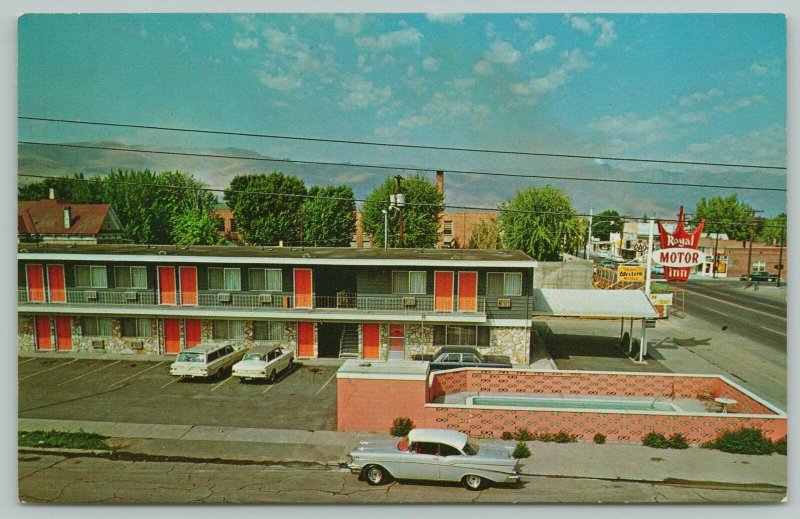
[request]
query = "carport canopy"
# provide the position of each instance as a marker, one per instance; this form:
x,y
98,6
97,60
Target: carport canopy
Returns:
x,y
625,304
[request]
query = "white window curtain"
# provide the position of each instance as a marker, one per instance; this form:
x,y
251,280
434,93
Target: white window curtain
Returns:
x,y
99,279
416,282
274,280
236,329
257,280
513,284
143,327
233,279
123,277
138,277
104,328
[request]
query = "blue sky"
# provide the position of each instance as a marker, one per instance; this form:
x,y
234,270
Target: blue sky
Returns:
x,y
708,88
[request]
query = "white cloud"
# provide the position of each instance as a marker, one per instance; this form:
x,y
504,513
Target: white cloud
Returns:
x,y
430,64
626,130
391,40
483,68
462,83
692,117
451,18
411,121
696,97
546,43
607,34
742,102
524,23
580,23
244,42
279,81
767,145
246,21
205,24
350,24
360,93
758,69
571,61
502,52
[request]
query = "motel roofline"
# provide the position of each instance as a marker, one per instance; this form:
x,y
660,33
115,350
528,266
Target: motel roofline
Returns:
x,y
345,256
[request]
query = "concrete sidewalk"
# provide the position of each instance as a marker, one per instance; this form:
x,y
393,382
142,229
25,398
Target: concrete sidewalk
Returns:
x,y
612,461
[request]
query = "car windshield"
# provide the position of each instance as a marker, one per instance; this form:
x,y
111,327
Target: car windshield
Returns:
x,y
255,356
471,448
190,357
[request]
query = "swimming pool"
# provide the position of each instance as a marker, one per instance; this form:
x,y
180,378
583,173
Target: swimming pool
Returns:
x,y
574,403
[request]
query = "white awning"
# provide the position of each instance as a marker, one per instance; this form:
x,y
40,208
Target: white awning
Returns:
x,y
631,304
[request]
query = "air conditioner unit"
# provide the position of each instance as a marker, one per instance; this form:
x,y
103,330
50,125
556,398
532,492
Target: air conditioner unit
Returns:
x,y
224,298
99,345
409,301
137,345
91,294
504,303
264,298
130,296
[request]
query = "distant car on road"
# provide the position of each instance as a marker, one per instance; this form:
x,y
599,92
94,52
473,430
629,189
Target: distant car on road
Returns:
x,y
437,455
263,362
617,259
763,276
657,269
603,254
452,357
608,264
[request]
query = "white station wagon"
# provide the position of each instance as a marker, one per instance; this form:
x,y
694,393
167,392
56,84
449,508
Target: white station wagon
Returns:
x,y
206,360
263,362
434,454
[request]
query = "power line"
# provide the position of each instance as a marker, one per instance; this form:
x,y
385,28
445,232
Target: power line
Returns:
x,y
395,145
400,168
365,201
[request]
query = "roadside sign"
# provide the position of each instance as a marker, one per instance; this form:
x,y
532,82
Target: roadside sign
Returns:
x,y
661,299
633,273
640,246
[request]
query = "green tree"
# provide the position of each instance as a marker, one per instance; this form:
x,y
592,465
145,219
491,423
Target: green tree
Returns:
x,y
196,227
540,222
774,230
606,222
329,219
267,207
76,189
724,215
421,214
485,235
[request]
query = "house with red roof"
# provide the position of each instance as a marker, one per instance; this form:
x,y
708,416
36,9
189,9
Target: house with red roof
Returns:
x,y
57,221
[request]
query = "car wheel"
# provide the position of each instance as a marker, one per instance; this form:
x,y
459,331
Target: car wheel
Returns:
x,y
376,475
473,482
272,377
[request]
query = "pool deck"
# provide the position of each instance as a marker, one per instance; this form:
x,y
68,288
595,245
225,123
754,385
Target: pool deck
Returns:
x,y
688,405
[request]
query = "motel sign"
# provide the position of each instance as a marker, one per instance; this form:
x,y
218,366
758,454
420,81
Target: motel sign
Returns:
x,y
678,251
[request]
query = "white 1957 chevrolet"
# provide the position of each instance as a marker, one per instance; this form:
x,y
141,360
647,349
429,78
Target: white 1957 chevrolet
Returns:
x,y
434,454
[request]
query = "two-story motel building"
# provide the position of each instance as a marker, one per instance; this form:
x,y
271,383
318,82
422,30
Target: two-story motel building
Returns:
x,y
324,302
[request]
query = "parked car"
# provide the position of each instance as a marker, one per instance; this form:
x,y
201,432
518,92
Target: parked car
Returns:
x,y
452,357
608,264
434,454
206,360
263,362
656,268
763,276
617,259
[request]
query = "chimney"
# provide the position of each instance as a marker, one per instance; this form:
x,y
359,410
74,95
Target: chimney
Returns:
x,y
67,217
52,194
440,181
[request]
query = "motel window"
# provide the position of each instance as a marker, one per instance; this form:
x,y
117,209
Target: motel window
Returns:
x,y
448,228
130,277
91,276
461,335
136,327
224,279
759,266
96,327
269,280
227,329
504,284
408,282
267,330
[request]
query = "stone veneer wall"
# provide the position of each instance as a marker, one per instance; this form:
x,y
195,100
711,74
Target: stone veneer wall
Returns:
x,y
26,339
513,342
419,340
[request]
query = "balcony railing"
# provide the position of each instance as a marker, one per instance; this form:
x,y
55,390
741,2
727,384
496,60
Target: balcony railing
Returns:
x,y
262,301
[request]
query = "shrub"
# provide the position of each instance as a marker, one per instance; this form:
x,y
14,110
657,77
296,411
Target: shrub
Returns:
x,y
659,288
678,441
780,446
401,426
63,439
507,435
544,437
521,450
655,440
523,434
599,438
565,437
742,441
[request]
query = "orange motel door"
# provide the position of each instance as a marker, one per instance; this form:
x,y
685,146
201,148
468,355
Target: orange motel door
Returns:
x,y
191,329
56,283
166,286
370,340
43,340
305,339
467,291
35,275
188,277
172,336
443,291
302,288
63,333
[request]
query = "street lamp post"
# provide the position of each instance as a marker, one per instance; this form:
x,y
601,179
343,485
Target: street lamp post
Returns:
x,y
385,228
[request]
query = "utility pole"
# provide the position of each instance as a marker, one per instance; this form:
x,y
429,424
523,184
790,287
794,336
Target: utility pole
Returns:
x,y
780,258
400,202
589,238
750,251
714,262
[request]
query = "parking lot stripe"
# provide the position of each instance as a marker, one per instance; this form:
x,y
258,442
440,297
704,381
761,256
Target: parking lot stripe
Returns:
x,y
716,312
268,388
773,331
90,372
24,361
171,382
135,374
48,369
325,384
215,387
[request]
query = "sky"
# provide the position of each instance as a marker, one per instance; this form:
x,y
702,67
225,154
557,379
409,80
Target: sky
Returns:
x,y
684,87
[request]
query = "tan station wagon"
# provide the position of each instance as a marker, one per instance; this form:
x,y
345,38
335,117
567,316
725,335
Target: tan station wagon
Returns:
x,y
206,360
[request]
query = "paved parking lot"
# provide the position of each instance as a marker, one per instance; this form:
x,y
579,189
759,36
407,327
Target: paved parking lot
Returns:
x,y
144,392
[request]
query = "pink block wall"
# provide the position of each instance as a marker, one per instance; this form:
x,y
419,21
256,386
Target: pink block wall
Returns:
x,y
372,405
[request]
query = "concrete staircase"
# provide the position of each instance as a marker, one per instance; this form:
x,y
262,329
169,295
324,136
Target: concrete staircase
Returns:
x,y
348,344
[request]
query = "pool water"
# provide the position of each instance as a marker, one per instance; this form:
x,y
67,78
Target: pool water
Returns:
x,y
565,403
